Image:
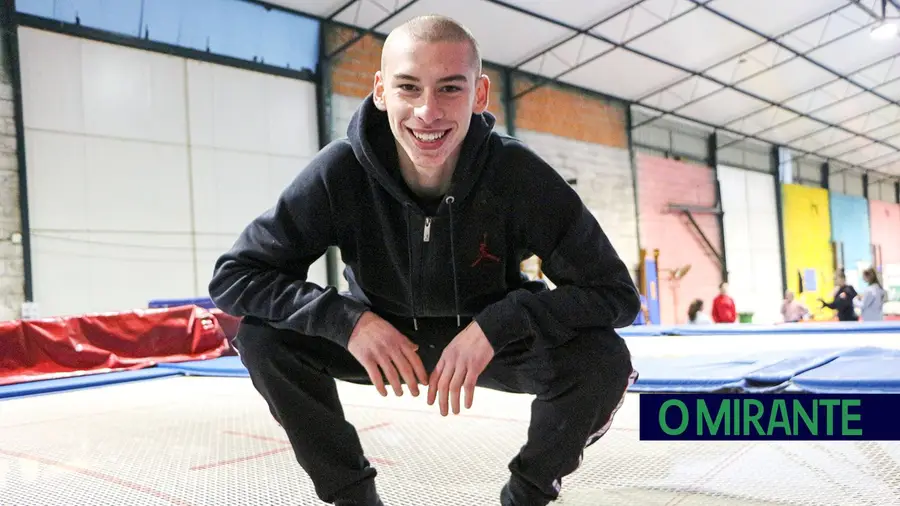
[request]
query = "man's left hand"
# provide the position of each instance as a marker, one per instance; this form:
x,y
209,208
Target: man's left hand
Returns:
x,y
462,361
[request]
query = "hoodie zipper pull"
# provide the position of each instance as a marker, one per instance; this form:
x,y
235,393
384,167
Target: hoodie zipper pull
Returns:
x,y
427,235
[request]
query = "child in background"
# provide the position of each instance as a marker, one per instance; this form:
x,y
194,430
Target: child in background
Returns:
x,y
724,310
793,310
696,316
871,302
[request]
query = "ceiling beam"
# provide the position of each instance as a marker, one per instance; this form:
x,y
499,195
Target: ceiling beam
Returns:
x,y
615,45
817,88
373,31
782,45
748,50
370,31
818,64
341,9
715,128
664,62
858,3
582,31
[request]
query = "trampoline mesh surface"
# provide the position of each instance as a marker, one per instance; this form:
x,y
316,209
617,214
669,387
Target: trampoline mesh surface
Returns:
x,y
210,441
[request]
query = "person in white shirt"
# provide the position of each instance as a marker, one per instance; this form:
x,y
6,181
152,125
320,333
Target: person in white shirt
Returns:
x,y
871,301
696,316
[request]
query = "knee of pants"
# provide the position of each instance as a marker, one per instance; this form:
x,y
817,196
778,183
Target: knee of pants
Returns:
x,y
257,341
600,365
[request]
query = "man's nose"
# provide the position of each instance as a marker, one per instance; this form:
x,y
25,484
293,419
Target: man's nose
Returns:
x,y
429,110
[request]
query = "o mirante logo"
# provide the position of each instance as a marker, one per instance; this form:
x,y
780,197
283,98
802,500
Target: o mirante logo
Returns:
x,y
719,417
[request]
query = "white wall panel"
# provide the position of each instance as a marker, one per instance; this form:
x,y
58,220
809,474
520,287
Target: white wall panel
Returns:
x,y
836,182
128,269
51,81
133,94
57,180
886,192
250,135
136,186
230,189
225,108
752,247
853,185
247,111
143,168
61,267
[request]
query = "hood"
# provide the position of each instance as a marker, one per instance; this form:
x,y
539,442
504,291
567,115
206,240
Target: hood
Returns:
x,y
369,127
373,144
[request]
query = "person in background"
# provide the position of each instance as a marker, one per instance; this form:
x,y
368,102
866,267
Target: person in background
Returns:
x,y
843,298
793,310
696,316
724,310
871,302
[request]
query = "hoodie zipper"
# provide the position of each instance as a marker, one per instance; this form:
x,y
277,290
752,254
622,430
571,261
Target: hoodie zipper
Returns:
x,y
420,275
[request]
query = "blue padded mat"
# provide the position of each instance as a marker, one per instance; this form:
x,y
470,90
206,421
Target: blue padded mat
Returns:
x,y
222,366
690,374
86,381
204,302
757,372
783,328
860,370
831,370
790,364
641,330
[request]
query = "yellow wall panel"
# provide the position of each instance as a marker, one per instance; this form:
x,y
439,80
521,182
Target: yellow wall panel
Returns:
x,y
807,245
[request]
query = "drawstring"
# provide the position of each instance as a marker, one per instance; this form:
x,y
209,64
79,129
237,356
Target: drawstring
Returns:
x,y
449,200
409,240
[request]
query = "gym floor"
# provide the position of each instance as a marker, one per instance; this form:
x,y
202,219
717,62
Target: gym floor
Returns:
x,y
189,441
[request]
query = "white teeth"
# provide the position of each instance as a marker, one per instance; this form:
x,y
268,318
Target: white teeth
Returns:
x,y
428,137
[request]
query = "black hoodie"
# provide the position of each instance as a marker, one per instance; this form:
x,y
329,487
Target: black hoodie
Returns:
x,y
461,258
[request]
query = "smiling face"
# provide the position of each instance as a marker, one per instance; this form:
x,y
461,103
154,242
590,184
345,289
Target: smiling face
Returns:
x,y
430,91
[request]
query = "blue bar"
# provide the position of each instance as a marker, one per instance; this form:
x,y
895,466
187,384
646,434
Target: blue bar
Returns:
x,y
774,417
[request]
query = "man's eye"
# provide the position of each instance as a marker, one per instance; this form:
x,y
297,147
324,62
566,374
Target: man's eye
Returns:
x,y
451,89
407,87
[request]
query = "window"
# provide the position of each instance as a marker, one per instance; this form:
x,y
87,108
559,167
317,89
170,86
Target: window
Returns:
x,y
233,28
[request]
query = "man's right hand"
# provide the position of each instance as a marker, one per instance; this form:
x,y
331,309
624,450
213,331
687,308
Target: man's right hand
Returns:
x,y
380,347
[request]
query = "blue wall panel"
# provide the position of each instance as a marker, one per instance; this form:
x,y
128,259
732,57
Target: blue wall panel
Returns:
x,y
850,229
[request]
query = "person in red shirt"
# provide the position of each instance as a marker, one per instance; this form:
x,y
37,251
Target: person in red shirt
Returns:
x,y
723,310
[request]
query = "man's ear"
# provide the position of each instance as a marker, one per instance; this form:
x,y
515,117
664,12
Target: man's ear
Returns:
x,y
482,94
378,91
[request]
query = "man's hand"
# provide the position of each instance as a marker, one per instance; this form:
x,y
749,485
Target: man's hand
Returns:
x,y
462,361
380,347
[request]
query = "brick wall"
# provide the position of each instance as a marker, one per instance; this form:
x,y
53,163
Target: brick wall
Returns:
x,y
604,184
12,292
585,138
570,115
663,182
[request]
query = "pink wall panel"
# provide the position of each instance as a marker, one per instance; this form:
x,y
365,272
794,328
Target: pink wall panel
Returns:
x,y
662,182
884,219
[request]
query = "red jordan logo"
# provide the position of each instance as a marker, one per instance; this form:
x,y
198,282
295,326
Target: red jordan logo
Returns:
x,y
484,254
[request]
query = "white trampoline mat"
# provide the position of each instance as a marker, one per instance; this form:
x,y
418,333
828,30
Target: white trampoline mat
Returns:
x,y
211,441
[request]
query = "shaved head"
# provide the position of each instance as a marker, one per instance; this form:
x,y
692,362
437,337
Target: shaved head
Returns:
x,y
430,85
433,28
